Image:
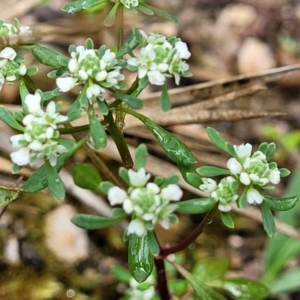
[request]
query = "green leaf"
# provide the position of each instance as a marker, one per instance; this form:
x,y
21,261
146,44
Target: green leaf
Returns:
x,y
189,175
91,222
123,173
48,96
242,288
80,5
38,180
210,269
216,138
7,195
284,172
55,184
131,43
121,274
140,259
165,102
145,10
153,244
131,101
160,13
202,291
242,200
23,93
98,135
270,151
173,147
49,57
173,179
195,206
103,107
209,171
110,19
86,176
105,186
141,155
178,286
267,218
226,219
8,118
281,203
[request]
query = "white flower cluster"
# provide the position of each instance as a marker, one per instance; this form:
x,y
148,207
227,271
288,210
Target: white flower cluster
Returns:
x,y
40,137
254,172
89,66
159,58
141,291
10,68
146,202
130,3
11,35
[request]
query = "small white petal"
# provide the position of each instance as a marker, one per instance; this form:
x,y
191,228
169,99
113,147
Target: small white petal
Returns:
x,y
137,227
171,193
243,150
234,166
128,206
153,188
139,178
8,53
244,178
182,49
254,196
274,176
208,185
116,195
156,78
65,83
15,140
224,207
33,103
21,157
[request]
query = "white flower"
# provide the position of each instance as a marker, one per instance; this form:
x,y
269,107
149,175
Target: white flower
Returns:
x,y
139,178
234,166
116,195
130,3
253,196
172,192
208,185
8,53
245,178
94,90
21,157
136,227
33,103
156,78
65,83
224,207
274,176
243,151
182,50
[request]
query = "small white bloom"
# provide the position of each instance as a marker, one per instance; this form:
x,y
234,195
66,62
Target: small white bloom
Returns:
x,y
94,90
243,151
116,195
8,53
156,78
254,196
274,176
171,193
21,157
65,83
182,50
224,207
153,188
33,103
16,139
139,178
234,166
208,185
244,178
137,227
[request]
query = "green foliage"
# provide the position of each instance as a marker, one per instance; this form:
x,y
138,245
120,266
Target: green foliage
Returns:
x,y
210,171
9,119
227,219
141,155
7,195
195,206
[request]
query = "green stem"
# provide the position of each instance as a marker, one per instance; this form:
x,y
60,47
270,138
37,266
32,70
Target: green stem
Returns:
x,y
118,138
164,252
98,162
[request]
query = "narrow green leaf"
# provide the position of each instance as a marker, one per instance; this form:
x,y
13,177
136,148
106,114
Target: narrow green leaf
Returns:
x,y
195,206
141,155
189,175
173,147
209,171
131,101
161,13
270,151
281,203
216,138
245,288
284,172
98,135
86,176
263,147
173,179
242,200
121,274
48,57
202,291
38,180
8,194
91,222
23,93
165,102
267,218
55,184
145,10
140,259
123,173
110,19
153,244
103,107
131,43
227,219
73,7
8,118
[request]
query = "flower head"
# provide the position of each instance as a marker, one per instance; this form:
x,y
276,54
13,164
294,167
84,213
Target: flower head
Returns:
x,y
160,57
40,137
130,3
145,202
